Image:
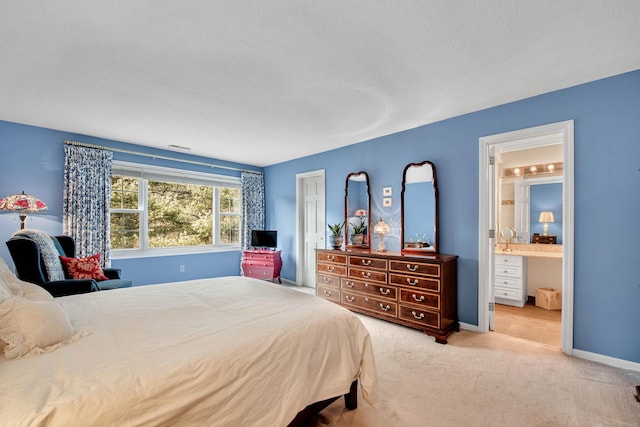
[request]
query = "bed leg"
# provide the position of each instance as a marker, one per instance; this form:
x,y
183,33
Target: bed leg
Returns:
x,y
351,398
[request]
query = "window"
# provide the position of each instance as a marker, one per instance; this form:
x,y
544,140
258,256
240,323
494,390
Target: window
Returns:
x,y
156,209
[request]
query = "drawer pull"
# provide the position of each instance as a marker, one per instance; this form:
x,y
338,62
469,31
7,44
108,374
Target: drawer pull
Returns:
x,y
415,315
506,271
385,307
505,282
366,262
330,268
350,298
415,298
331,258
385,291
366,274
415,282
414,268
328,293
505,293
327,279
350,285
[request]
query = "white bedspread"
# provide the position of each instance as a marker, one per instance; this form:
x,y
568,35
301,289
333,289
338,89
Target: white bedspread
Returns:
x,y
216,352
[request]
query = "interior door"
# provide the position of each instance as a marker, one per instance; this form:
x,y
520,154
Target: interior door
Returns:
x,y
313,225
492,207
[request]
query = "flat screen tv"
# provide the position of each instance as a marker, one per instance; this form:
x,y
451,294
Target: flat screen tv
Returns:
x,y
264,239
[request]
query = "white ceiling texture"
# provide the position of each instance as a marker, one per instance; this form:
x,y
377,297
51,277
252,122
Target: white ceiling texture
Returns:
x,y
261,82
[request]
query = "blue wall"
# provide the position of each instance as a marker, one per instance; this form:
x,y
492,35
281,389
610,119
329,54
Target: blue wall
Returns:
x,y
33,161
546,197
607,206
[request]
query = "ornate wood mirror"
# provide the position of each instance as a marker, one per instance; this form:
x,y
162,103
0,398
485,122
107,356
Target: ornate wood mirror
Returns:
x,y
419,208
357,207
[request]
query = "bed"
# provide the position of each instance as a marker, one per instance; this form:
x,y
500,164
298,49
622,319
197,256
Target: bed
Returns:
x,y
229,351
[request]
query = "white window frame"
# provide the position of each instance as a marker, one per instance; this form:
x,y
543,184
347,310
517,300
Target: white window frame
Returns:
x,y
158,173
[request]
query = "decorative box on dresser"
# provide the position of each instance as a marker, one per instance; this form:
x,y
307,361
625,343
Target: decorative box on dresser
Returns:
x,y
261,264
510,280
412,290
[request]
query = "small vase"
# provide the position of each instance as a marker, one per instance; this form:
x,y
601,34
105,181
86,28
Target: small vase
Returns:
x,y
336,242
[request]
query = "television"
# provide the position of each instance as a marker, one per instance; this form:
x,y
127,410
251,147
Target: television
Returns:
x,y
264,239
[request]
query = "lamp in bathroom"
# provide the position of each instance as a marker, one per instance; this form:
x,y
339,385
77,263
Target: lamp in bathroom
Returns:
x,y
381,229
546,217
22,204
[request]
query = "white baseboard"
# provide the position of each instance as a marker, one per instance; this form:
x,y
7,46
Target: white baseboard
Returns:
x,y
469,327
607,360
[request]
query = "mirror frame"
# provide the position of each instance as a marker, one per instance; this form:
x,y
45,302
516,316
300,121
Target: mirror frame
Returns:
x,y
346,212
434,245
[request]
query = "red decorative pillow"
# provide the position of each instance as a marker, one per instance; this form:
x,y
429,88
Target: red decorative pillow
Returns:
x,y
84,268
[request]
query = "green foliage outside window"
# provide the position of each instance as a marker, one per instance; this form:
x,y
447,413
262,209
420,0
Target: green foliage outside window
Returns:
x,y
177,214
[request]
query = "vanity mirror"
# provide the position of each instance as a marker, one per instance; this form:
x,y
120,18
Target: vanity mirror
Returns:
x,y
357,207
419,208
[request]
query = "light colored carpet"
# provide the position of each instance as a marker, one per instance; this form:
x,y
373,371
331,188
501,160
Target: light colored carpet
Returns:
x,y
485,380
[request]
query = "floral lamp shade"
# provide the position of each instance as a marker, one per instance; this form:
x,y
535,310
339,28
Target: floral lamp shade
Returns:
x,y
22,204
360,213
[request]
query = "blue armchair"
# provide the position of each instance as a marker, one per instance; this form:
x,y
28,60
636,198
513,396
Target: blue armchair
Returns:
x,y
31,266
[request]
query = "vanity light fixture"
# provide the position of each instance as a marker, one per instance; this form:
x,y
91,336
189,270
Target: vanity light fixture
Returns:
x,y
381,229
528,170
546,217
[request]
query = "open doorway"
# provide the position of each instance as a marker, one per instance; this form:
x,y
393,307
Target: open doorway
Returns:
x,y
489,230
528,252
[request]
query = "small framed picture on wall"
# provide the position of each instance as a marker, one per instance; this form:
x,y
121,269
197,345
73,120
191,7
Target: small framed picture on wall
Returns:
x,y
386,192
386,202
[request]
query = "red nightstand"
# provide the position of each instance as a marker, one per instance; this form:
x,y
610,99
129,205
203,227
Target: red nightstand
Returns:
x,y
262,264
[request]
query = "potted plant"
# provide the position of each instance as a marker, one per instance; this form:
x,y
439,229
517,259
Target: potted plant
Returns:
x,y
336,235
357,237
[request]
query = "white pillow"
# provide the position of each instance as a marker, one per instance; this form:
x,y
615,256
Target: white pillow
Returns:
x,y
5,291
34,292
9,278
28,326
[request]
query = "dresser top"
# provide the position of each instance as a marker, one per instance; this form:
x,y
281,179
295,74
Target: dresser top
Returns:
x,y
392,255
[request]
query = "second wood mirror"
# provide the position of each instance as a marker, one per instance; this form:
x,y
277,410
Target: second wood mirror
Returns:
x,y
357,207
419,204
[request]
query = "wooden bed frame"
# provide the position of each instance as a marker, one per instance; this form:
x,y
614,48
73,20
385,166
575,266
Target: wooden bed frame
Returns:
x,y
350,401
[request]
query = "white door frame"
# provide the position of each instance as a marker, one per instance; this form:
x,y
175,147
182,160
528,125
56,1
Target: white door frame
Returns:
x,y
521,139
300,177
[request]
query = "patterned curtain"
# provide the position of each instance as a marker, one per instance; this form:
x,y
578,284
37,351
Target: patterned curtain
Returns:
x,y
87,194
252,205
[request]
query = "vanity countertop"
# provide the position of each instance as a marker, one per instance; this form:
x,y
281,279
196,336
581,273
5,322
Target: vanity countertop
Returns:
x,y
530,249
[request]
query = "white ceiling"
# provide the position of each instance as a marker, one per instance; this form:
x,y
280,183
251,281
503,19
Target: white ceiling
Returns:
x,y
261,82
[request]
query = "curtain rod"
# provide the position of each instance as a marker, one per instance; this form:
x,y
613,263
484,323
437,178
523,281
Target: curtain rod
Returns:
x,y
155,156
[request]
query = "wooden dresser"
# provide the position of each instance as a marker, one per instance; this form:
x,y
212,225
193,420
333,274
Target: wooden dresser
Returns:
x,y
412,290
261,264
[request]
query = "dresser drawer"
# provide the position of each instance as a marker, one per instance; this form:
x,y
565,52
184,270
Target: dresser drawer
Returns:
x,y
421,317
380,306
508,260
250,262
358,261
259,272
425,299
328,292
369,288
415,268
508,293
508,270
330,257
413,281
508,283
326,280
368,275
332,269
